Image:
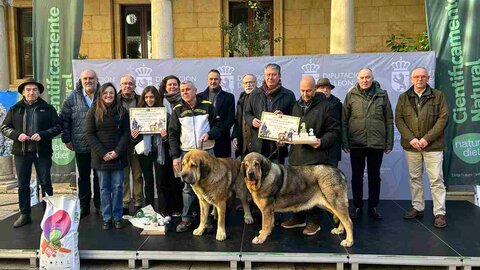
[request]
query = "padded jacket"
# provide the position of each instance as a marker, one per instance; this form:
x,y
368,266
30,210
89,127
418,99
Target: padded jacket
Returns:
x,y
188,124
367,121
48,126
72,115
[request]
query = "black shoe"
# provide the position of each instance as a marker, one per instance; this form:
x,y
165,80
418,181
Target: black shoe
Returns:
x,y
22,221
119,224
84,213
356,213
373,213
126,211
107,225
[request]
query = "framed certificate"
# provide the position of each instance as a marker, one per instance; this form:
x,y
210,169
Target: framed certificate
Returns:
x,y
277,127
148,120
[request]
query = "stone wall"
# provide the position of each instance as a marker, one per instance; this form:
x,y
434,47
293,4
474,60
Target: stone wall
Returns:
x,y
97,41
196,28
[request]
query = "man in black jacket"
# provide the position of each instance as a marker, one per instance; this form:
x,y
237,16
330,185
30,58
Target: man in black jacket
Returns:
x,y
324,86
314,111
241,131
224,104
270,97
31,123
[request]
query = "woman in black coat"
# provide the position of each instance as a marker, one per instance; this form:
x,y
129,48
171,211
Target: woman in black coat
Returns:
x,y
107,131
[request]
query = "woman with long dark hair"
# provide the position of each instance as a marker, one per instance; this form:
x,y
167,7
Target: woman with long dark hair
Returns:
x,y
156,163
107,131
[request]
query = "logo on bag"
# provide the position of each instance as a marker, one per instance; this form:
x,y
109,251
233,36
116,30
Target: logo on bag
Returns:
x,y
400,75
228,80
143,77
311,69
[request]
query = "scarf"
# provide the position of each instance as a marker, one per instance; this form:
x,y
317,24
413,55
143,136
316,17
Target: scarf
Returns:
x,y
173,98
270,92
147,143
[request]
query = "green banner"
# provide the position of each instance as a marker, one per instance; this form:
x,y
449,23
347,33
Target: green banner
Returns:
x,y
57,28
453,27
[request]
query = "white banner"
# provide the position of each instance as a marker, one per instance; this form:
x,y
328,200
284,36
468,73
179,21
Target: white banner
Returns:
x,y
390,69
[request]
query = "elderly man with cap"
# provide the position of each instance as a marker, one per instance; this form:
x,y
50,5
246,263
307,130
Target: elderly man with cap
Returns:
x,y
31,123
324,86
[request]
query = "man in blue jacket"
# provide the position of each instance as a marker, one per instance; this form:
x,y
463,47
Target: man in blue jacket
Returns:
x,y
74,110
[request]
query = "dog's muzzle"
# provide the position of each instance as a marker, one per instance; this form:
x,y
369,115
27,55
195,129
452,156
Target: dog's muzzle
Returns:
x,y
251,178
188,178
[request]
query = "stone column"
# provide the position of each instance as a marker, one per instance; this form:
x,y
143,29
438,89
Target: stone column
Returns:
x,y
4,70
342,35
162,29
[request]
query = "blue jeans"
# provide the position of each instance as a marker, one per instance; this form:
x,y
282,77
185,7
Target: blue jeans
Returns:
x,y
23,166
189,197
111,193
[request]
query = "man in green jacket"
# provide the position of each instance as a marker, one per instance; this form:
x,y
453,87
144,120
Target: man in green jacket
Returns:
x,y
367,131
421,116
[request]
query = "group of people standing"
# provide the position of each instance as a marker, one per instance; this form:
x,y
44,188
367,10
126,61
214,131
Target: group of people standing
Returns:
x,y
94,123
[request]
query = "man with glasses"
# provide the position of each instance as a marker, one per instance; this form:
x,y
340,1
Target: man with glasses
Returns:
x,y
129,99
421,116
241,131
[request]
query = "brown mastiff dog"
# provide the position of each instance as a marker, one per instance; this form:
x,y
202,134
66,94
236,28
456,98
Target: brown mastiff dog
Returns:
x,y
296,188
215,180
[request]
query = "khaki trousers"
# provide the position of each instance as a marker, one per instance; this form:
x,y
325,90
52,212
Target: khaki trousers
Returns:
x,y
136,189
433,164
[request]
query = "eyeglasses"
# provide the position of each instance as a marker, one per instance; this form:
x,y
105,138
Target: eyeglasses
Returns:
x,y
421,77
250,82
128,83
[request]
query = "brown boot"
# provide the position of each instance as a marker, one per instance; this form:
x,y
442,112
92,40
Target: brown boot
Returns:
x,y
440,221
413,213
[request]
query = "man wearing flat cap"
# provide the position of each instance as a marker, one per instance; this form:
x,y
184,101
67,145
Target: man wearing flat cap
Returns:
x,y
31,123
325,87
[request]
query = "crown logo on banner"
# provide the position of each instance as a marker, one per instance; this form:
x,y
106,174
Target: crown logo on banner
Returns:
x,y
228,80
143,71
310,68
226,70
143,79
400,76
401,65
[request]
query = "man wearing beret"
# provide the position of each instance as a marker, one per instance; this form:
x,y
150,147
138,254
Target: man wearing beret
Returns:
x,y
324,86
31,123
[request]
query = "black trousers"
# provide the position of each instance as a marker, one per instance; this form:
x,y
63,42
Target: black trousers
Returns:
x,y
162,176
374,159
23,165
83,161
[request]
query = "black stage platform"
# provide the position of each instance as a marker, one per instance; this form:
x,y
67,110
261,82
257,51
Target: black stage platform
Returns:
x,y
391,241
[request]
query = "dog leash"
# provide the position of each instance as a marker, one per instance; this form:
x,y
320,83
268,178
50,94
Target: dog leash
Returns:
x,y
276,151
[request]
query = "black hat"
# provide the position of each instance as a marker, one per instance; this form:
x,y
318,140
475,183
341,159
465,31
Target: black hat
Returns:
x,y
30,81
323,82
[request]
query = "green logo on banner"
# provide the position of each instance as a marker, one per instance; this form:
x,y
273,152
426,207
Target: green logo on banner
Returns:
x,y
61,154
467,147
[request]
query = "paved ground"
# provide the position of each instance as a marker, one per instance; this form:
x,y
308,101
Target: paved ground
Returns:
x,y
9,206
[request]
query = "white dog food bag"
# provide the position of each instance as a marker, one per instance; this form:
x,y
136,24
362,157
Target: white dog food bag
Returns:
x,y
59,239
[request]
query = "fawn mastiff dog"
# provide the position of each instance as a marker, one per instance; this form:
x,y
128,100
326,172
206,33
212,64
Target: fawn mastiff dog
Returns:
x,y
215,180
296,188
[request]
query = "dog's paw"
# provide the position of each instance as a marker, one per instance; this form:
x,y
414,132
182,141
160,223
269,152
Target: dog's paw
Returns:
x,y
336,231
258,240
221,236
345,243
198,231
248,219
